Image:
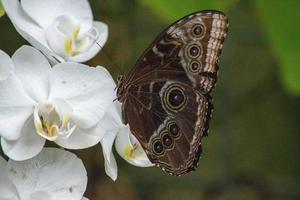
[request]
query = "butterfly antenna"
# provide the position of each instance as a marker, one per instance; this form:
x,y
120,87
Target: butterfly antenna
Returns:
x,y
95,35
110,59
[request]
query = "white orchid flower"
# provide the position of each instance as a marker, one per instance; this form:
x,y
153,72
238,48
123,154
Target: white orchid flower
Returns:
x,y
64,104
126,144
63,30
51,175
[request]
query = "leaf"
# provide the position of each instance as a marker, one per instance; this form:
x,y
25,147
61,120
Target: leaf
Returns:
x,y
174,9
280,22
2,12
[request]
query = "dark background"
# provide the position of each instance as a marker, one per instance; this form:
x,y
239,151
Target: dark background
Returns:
x,y
252,151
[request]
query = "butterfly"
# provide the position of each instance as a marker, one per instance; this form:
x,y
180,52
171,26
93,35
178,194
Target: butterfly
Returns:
x,y
166,97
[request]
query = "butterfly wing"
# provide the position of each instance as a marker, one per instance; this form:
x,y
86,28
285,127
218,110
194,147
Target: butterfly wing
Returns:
x,y
191,46
169,119
167,101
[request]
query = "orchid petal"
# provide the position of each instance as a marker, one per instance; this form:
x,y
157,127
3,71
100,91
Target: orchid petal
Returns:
x,y
15,108
6,66
32,68
84,118
3,163
41,44
27,146
41,195
110,163
8,191
42,174
85,88
15,105
81,138
79,10
27,28
111,124
20,19
84,138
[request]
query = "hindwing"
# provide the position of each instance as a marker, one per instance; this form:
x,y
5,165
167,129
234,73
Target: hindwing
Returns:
x,y
172,118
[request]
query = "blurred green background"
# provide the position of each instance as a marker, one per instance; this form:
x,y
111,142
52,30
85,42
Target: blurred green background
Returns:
x,y
253,149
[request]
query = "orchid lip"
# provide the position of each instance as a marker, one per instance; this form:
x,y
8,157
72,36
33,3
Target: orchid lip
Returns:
x,y
53,122
130,151
65,37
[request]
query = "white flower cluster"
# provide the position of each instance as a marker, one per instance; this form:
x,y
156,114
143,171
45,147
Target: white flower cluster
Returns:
x,y
56,98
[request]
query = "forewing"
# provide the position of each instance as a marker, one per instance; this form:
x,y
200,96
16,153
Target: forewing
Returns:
x,y
191,46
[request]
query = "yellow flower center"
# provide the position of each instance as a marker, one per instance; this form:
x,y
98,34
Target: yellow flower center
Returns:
x,y
50,124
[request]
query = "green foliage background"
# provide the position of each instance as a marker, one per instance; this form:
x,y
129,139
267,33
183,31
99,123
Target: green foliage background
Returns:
x,y
172,10
279,26
252,151
280,21
1,10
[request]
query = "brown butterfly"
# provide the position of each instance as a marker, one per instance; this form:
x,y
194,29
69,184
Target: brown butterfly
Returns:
x,y
166,96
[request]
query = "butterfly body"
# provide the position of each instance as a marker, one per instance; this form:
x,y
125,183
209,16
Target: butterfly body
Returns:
x,y
166,97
